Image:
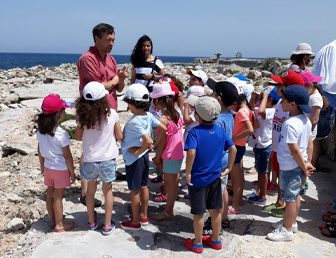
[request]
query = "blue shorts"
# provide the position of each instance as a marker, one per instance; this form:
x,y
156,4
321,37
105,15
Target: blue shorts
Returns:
x,y
137,173
172,166
105,170
262,157
240,154
290,183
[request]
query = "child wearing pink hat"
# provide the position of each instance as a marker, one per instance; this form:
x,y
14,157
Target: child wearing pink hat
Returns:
x,y
55,157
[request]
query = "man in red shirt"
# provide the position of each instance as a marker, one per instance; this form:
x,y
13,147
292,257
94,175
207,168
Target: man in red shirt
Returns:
x,y
97,65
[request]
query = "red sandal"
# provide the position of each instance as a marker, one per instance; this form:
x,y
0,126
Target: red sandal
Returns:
x,y
160,198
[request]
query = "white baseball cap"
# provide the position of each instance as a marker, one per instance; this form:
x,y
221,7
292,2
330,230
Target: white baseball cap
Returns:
x,y
137,92
238,83
303,48
196,91
94,91
199,74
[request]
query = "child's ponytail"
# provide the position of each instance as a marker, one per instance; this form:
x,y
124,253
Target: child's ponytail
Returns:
x,y
168,103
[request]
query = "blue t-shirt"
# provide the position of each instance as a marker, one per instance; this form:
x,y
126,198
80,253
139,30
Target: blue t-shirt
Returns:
x,y
209,143
134,129
226,121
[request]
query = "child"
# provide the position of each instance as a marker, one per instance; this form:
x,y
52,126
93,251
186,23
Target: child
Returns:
x,y
262,148
205,145
55,159
226,94
98,127
294,156
241,130
135,146
170,145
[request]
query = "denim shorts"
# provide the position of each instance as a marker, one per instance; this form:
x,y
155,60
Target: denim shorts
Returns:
x,y
290,183
262,157
105,170
240,154
172,166
137,173
224,182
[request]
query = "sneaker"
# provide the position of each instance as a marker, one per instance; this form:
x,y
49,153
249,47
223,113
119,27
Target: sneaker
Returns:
x,y
280,234
128,225
97,203
94,226
217,245
143,221
258,200
278,212
196,248
295,227
253,194
108,230
232,211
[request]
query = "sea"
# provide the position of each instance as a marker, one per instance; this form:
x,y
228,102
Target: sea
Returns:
x,y
13,60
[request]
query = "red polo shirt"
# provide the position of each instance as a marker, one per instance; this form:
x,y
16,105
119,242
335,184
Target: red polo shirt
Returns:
x,y
91,67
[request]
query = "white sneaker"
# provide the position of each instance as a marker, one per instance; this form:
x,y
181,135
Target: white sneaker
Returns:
x,y
280,234
295,227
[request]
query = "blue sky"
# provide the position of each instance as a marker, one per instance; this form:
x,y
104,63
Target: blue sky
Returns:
x,y
257,28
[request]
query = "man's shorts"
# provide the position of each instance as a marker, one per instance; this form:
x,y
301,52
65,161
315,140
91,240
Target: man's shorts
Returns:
x,y
206,198
137,173
262,158
290,183
56,178
105,170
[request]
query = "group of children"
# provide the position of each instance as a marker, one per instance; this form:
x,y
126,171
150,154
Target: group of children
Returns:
x,y
217,123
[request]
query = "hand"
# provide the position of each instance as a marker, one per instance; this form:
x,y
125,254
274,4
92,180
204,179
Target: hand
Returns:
x,y
148,76
188,179
225,172
151,147
309,169
122,73
72,178
133,150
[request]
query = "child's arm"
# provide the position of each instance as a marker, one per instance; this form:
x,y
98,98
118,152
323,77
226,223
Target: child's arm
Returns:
x,y
262,107
79,133
161,133
253,99
294,149
186,114
314,116
41,159
248,130
191,153
232,157
147,143
118,134
69,161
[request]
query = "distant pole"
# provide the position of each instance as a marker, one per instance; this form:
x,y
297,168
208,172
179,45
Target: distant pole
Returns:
x,y
217,55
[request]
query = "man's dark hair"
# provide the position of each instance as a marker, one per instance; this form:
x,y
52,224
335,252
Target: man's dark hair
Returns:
x,y
138,104
100,29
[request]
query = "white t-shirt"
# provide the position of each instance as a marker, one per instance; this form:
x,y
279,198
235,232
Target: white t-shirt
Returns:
x,y
315,100
99,144
279,118
296,129
264,133
51,148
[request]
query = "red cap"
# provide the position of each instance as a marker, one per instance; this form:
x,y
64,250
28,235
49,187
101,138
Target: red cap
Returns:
x,y
289,78
174,87
53,103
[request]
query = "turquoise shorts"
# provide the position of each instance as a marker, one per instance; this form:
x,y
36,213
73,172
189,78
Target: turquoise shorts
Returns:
x,y
172,166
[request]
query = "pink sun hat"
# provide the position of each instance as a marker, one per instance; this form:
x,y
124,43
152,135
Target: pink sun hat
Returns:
x,y
309,77
161,90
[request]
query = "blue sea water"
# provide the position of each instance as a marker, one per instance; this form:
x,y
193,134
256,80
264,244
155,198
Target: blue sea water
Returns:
x,y
12,60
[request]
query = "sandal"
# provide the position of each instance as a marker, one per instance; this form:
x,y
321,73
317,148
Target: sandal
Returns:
x,y
189,244
232,211
329,230
162,216
160,198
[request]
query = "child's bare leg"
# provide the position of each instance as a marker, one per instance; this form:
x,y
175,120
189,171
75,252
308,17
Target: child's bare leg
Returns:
x,y
291,213
144,196
237,184
216,222
262,179
50,205
108,194
224,210
135,203
171,184
90,194
58,207
198,228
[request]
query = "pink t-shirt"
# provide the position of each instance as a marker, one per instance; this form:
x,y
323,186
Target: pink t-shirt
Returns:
x,y
91,67
243,114
174,141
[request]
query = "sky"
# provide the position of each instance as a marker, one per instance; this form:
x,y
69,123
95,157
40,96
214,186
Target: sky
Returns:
x,y
257,28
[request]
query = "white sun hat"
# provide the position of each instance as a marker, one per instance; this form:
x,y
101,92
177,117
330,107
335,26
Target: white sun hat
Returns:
x,y
303,48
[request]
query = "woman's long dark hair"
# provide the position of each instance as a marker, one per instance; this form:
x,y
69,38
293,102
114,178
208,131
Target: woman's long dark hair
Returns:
x,y
92,113
46,124
168,103
137,56
299,59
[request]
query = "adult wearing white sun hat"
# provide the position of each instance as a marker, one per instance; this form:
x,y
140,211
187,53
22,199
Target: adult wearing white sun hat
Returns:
x,y
301,58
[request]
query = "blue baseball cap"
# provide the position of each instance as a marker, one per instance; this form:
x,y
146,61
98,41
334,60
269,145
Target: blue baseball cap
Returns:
x,y
299,95
274,95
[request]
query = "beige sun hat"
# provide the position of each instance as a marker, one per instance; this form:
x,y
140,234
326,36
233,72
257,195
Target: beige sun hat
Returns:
x,y
303,48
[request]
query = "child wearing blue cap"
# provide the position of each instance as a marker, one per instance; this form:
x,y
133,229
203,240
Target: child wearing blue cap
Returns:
x,y
294,154
262,145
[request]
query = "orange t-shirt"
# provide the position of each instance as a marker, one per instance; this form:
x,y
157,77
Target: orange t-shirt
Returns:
x,y
243,114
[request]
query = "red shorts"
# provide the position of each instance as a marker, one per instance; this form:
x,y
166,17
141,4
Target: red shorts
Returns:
x,y
57,178
275,164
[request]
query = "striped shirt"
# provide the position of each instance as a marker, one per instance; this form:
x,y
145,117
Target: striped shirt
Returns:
x,y
154,67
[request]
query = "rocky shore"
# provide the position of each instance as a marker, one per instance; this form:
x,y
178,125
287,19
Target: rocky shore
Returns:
x,y
23,221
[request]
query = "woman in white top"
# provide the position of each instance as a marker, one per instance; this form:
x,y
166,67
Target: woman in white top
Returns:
x,y
146,67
